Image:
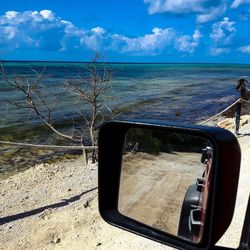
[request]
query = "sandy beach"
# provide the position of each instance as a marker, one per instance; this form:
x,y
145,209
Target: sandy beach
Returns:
x,y
54,206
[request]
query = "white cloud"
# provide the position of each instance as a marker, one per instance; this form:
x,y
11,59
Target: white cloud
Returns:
x,y
47,14
223,32
177,6
189,43
222,37
212,14
95,39
27,29
98,30
219,51
10,32
157,41
206,10
152,43
245,49
44,30
11,14
237,3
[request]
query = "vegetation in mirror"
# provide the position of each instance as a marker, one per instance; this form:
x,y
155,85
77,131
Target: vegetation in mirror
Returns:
x,y
165,180
154,141
142,140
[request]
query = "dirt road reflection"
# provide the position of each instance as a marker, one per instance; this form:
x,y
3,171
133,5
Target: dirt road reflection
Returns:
x,y
152,188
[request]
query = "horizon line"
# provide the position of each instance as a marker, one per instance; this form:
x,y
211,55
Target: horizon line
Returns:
x,y
117,62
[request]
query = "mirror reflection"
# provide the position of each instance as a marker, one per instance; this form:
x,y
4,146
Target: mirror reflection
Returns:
x,y
165,180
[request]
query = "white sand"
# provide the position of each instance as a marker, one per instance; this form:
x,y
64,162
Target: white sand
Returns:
x,y
55,207
45,208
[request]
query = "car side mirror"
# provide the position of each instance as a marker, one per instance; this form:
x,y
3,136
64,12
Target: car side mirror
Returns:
x,y
172,183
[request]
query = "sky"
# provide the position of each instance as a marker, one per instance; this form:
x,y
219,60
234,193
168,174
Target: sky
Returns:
x,y
214,31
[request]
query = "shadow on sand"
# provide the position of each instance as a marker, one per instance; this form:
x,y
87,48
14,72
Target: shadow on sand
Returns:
x,y
63,203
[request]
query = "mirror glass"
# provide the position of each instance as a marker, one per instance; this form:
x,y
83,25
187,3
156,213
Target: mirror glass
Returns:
x,y
165,180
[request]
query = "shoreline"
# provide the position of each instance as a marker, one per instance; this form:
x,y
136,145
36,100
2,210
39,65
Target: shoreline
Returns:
x,y
16,159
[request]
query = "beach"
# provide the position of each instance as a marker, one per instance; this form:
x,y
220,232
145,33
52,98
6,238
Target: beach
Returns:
x,y
49,199
54,206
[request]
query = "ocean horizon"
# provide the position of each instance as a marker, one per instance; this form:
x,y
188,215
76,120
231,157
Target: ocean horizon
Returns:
x,y
146,90
119,62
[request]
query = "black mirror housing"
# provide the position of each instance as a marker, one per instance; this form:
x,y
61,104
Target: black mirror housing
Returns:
x,y
224,181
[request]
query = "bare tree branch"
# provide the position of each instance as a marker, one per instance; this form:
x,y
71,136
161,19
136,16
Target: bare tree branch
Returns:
x,y
29,92
90,88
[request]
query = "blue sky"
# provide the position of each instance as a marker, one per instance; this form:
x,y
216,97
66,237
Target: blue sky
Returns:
x,y
126,31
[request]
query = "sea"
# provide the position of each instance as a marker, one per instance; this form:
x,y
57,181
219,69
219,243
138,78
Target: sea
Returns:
x,y
178,92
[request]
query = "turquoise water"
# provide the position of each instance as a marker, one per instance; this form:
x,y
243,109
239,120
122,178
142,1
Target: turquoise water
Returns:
x,y
155,91
148,91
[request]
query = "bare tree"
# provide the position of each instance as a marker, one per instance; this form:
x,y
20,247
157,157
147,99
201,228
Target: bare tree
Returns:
x,y
91,88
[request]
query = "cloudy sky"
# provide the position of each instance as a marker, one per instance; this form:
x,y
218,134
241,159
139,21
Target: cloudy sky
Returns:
x,y
131,30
